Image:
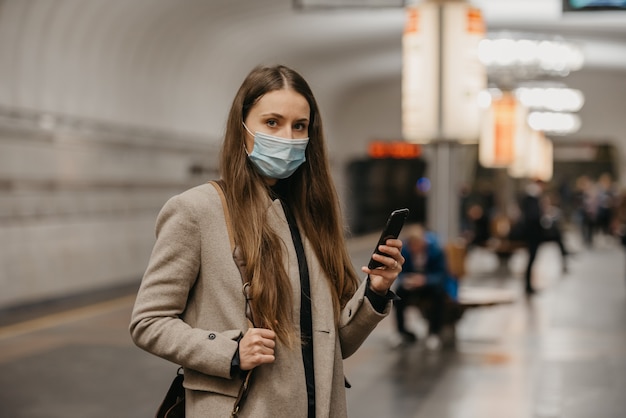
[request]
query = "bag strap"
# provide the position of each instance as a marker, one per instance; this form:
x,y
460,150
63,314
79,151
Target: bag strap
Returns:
x,y
245,385
235,251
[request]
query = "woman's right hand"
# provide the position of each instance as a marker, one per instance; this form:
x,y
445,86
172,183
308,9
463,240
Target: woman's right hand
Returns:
x,y
256,348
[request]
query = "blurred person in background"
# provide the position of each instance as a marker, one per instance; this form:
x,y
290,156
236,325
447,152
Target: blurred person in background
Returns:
x,y
541,222
606,203
478,230
618,223
587,208
424,282
308,308
552,224
532,213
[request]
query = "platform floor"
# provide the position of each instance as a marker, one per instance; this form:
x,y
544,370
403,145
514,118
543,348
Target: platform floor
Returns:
x,y
561,353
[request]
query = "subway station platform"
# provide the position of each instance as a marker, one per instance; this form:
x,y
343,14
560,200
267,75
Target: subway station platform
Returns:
x,y
561,353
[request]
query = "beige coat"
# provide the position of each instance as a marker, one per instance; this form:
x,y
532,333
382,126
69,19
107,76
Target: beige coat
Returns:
x,y
190,310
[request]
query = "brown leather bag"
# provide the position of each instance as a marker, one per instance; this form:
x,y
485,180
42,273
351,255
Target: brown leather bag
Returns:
x,y
173,405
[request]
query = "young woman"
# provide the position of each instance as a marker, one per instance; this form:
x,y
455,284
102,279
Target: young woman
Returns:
x,y
308,310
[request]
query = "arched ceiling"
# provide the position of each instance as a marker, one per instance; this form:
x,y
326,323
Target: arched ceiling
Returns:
x,y
175,65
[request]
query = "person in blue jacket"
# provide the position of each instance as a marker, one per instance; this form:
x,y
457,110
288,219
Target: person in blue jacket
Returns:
x,y
424,282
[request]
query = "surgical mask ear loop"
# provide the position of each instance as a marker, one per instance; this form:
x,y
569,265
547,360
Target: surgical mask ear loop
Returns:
x,y
246,128
244,141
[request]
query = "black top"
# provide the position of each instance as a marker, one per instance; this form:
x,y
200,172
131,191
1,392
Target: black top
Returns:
x,y
306,319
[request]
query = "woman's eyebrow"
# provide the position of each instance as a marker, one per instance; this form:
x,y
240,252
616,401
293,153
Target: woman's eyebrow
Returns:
x,y
276,115
279,116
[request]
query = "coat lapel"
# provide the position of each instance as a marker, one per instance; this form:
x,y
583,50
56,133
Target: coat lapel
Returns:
x,y
324,330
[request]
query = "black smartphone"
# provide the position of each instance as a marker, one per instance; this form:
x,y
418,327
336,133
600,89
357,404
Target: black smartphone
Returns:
x,y
392,229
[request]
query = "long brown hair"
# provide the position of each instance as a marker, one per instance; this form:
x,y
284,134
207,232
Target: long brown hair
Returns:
x,y
311,196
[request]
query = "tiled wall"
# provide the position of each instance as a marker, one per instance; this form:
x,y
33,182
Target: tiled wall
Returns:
x,y
78,207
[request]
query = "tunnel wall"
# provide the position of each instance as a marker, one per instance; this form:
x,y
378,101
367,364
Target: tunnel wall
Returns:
x,y
78,206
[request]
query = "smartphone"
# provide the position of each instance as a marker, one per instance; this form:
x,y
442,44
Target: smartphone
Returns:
x,y
392,229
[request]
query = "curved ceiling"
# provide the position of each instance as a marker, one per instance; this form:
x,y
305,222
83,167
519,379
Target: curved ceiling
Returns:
x,y
175,65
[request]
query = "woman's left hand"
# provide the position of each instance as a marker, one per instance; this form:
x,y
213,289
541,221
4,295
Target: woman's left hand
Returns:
x,y
383,277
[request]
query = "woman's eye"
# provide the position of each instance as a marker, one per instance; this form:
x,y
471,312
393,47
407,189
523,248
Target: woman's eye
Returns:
x,y
300,126
272,123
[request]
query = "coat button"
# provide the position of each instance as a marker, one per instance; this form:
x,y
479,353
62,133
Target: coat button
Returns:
x,y
211,336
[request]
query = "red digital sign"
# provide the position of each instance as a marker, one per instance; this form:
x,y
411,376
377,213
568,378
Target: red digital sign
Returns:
x,y
393,149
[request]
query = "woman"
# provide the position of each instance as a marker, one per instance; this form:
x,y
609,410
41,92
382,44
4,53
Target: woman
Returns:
x,y
309,308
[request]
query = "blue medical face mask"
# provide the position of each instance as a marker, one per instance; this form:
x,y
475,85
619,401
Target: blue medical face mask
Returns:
x,y
276,157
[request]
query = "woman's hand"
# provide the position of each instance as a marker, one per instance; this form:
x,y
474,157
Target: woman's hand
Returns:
x,y
382,278
256,348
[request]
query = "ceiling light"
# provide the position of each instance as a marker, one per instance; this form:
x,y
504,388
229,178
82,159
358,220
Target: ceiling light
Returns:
x,y
519,57
555,99
554,123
